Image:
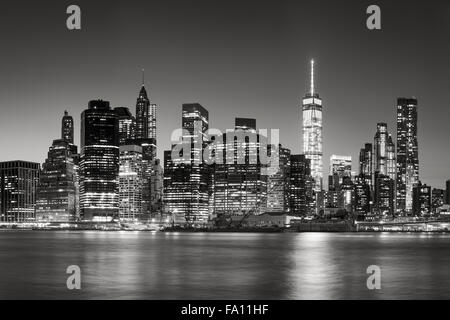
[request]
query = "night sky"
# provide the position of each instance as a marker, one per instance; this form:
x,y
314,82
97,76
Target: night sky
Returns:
x,y
238,58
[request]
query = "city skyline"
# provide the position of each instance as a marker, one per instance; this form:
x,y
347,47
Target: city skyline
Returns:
x,y
345,82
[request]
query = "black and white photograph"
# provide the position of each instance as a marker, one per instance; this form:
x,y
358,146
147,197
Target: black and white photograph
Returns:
x,y
213,150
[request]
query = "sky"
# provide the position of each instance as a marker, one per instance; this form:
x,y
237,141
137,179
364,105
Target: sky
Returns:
x,y
237,58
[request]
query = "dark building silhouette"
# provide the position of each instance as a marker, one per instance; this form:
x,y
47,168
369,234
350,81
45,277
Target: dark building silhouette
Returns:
x,y
67,128
145,118
299,194
99,164
384,195
57,196
407,153
447,192
18,184
245,123
366,164
422,200
127,126
438,198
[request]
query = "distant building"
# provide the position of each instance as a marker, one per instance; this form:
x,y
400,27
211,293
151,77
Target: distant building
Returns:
x,y
278,184
407,153
301,185
239,185
438,199
18,184
362,197
127,126
130,183
156,187
340,169
99,164
422,200
67,128
447,192
366,164
384,195
384,152
186,183
57,198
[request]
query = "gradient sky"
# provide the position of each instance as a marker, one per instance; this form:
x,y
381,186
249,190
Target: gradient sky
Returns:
x,y
238,58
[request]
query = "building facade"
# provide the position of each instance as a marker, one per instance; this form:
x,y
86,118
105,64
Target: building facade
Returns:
x,y
57,198
18,184
131,182
300,190
312,133
99,163
422,200
407,153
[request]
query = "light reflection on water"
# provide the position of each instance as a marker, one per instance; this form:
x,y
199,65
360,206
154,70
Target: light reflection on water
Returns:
x,y
134,265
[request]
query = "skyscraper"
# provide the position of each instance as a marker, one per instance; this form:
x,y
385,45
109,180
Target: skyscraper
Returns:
x,y
99,165
67,128
422,200
300,196
130,182
239,186
407,153
57,196
447,192
127,125
362,197
340,169
312,132
366,164
145,115
278,183
384,152
186,183
18,184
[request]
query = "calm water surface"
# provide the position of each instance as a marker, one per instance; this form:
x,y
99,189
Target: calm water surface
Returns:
x,y
128,265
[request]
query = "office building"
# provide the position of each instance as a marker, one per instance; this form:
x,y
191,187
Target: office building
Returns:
x,y
18,184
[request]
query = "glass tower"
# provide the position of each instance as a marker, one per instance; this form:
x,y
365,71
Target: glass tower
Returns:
x,y
407,153
312,132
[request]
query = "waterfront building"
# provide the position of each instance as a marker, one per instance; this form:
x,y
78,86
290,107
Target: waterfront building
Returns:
x,y
301,185
447,192
130,182
239,184
407,153
57,198
422,200
384,195
156,187
99,164
18,183
312,132
278,183
438,198
186,183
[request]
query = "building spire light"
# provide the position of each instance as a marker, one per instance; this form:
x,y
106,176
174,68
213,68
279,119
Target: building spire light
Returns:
x,y
312,77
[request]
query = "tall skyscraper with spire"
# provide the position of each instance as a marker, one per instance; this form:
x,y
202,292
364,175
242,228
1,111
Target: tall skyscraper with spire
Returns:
x,y
312,132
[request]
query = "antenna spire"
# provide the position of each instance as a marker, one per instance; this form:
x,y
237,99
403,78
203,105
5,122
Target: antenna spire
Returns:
x,y
312,77
143,77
